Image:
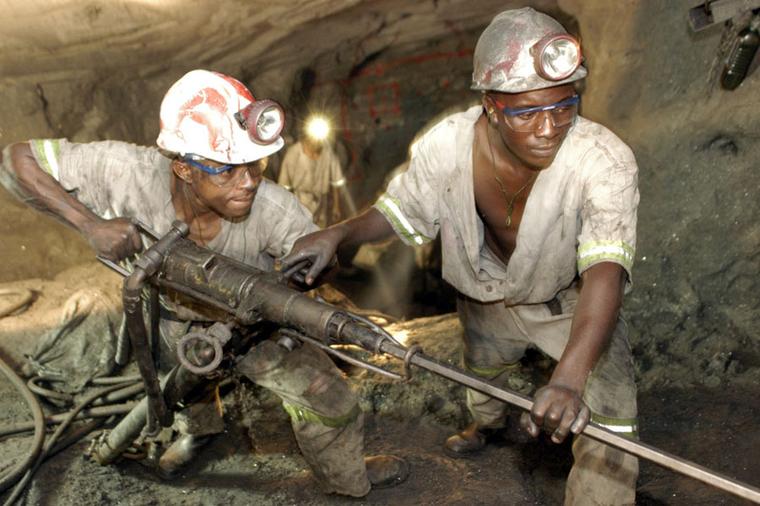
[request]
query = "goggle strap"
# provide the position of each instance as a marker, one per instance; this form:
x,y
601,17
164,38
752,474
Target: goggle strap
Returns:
x,y
206,168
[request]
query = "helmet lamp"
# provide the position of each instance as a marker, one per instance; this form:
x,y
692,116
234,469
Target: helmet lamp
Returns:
x,y
318,128
263,120
556,56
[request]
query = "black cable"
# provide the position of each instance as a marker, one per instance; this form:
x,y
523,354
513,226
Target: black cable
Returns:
x,y
12,476
49,445
103,411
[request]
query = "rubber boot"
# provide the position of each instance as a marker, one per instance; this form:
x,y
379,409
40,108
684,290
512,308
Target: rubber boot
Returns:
x,y
385,471
180,454
466,443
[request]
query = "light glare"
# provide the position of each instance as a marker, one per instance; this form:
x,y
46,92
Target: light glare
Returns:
x,y
318,128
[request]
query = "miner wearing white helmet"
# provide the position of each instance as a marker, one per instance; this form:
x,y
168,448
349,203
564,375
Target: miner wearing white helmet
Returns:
x,y
208,172
536,209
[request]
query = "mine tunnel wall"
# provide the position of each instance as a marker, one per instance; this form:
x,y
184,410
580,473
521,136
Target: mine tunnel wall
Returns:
x,y
694,308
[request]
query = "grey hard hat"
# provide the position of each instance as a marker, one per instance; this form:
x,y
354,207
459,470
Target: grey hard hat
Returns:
x,y
505,55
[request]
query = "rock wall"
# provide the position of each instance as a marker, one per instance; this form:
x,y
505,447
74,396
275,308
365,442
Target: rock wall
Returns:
x,y
694,309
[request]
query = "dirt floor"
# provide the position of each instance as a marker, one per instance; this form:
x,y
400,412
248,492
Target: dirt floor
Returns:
x,y
256,461
260,464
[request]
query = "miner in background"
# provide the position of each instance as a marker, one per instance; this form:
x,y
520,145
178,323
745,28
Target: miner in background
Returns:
x,y
312,171
207,171
536,209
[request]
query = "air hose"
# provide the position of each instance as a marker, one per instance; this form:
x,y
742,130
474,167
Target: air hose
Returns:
x,y
39,428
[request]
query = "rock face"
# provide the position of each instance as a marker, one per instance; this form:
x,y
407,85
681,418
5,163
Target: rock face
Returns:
x,y
97,70
694,308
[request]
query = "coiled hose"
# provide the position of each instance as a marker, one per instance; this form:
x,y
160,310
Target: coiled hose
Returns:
x,y
49,446
39,428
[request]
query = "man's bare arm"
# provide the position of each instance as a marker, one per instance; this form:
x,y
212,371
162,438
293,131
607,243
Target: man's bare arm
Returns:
x,y
559,405
318,248
114,239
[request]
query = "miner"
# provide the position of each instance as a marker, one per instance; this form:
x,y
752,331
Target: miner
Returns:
x,y
312,171
213,145
536,210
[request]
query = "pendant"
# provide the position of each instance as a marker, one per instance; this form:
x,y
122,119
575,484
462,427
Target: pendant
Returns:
x,y
510,210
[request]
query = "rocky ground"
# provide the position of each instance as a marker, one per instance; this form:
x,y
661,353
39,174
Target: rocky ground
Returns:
x,y
256,461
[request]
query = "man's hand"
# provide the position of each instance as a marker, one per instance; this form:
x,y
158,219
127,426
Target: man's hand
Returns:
x,y
312,253
556,409
114,239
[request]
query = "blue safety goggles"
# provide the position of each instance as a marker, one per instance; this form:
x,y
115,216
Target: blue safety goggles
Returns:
x,y
568,102
206,168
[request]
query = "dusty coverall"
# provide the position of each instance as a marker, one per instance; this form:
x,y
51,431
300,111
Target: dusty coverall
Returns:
x,y
117,179
581,211
312,181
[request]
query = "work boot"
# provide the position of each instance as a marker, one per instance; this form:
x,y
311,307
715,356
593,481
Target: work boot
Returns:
x,y
467,442
385,471
180,454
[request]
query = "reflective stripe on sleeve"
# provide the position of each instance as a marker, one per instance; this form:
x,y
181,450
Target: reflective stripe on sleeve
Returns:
x,y
623,426
48,151
617,251
339,182
390,208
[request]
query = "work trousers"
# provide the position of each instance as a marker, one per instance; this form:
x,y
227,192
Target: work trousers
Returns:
x,y
324,411
496,337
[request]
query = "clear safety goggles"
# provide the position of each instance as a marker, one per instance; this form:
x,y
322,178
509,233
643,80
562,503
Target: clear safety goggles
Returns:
x,y
229,175
556,56
263,120
529,119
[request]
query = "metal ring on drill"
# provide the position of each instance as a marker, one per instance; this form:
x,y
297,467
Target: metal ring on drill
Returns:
x,y
413,350
188,340
339,330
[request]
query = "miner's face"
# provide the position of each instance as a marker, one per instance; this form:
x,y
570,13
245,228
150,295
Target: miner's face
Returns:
x,y
229,193
534,137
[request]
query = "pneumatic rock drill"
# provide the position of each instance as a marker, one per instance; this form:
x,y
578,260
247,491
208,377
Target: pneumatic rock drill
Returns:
x,y
244,296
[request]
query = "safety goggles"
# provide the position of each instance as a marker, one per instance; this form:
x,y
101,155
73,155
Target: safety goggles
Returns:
x,y
556,56
529,119
263,120
229,175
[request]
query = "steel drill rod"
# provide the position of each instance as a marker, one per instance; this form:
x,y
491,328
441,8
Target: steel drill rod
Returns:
x,y
592,430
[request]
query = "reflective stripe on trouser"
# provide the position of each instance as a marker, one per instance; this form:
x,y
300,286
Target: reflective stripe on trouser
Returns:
x,y
324,413
485,411
496,335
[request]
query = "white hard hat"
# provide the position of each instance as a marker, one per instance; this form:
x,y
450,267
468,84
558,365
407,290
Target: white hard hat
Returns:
x,y
215,116
523,50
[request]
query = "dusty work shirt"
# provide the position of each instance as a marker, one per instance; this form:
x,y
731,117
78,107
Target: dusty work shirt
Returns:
x,y
311,180
117,179
581,211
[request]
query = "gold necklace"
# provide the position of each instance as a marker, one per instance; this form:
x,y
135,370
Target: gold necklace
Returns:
x,y
509,200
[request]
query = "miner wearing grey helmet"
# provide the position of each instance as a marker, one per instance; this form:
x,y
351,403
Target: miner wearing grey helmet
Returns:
x,y
536,210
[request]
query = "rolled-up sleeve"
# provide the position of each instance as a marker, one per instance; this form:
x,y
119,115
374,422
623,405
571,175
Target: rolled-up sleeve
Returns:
x,y
608,212
410,203
91,171
337,179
